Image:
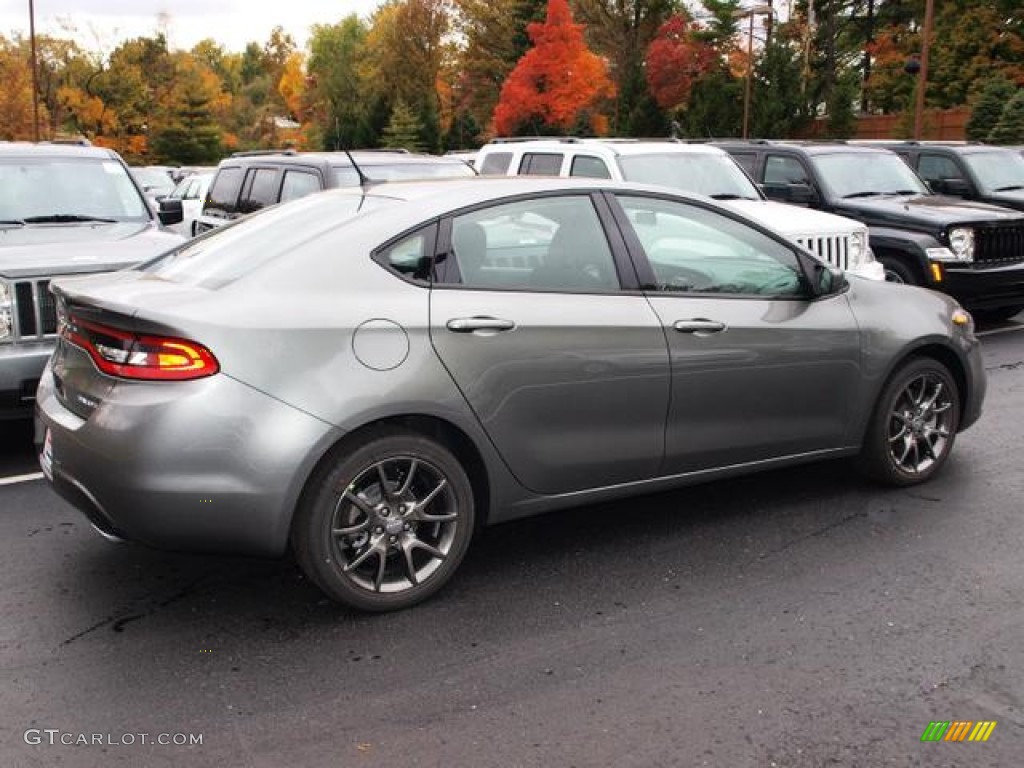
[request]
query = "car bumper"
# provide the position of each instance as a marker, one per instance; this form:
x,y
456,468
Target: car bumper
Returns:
x,y
207,465
977,385
21,365
984,287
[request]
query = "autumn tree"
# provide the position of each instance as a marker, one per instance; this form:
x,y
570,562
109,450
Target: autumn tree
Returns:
x,y
675,58
187,132
336,95
403,129
556,81
16,96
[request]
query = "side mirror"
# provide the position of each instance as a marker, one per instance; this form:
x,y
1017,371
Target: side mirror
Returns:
x,y
826,280
802,194
171,212
955,187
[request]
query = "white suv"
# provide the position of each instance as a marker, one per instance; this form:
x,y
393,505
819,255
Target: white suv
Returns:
x,y
698,168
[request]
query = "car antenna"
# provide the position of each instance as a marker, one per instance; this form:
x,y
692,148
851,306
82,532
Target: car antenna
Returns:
x,y
364,180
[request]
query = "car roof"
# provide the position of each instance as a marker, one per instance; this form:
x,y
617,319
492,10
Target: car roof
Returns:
x,y
44,149
614,146
807,146
366,157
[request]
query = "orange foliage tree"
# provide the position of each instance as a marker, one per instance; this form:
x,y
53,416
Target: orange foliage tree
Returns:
x,y
675,58
556,82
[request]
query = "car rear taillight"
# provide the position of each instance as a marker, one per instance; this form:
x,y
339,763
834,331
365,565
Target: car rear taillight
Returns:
x,y
136,356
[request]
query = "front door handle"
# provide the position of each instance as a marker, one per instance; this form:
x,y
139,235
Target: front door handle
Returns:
x,y
699,326
473,324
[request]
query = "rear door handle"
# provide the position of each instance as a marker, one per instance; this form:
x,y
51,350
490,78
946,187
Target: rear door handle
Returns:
x,y
473,324
699,326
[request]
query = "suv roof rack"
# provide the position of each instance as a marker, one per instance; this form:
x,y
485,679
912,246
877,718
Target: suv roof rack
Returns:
x,y
76,141
259,152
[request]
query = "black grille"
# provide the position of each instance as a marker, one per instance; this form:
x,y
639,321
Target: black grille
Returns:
x,y
36,308
999,244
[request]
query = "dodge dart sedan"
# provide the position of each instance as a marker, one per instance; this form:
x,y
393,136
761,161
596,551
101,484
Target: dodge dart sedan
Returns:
x,y
368,376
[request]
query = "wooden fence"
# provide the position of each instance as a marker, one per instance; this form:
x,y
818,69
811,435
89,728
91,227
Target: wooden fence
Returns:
x,y
939,125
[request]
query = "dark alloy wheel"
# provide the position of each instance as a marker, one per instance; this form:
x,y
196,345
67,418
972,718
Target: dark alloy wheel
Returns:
x,y
386,524
898,272
914,424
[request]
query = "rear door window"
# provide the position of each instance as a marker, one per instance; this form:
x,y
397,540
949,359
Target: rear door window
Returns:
x,y
590,167
495,164
260,189
298,184
541,164
224,192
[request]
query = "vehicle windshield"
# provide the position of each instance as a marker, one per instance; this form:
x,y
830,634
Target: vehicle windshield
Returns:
x,y
234,250
153,180
860,174
997,171
714,175
346,176
66,190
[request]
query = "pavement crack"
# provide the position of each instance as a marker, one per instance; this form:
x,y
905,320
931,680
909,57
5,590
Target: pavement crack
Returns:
x,y
1005,366
134,611
812,535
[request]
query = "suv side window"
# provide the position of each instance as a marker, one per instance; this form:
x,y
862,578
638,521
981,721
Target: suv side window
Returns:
x,y
224,191
540,164
746,160
260,190
298,184
542,244
589,166
780,169
694,250
496,163
933,168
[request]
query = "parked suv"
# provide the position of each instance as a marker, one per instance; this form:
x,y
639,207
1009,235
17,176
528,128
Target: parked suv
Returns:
x,y
971,171
248,181
64,210
970,250
702,169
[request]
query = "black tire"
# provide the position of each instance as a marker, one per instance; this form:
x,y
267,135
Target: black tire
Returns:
x,y
897,271
383,526
908,440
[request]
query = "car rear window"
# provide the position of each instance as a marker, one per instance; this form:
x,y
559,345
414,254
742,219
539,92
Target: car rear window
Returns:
x,y
237,249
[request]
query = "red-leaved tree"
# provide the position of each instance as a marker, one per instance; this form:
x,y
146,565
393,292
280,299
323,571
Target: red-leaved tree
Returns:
x,y
556,81
675,59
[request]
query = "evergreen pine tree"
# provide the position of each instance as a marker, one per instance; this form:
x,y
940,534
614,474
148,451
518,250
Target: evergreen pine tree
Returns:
x,y
1010,128
403,129
995,93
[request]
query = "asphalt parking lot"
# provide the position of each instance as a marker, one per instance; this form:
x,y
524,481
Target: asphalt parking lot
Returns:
x,y
797,618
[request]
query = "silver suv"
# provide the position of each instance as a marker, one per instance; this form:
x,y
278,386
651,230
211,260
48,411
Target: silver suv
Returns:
x,y
698,168
64,210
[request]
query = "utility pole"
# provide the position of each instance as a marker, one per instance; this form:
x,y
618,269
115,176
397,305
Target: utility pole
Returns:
x,y
35,69
922,81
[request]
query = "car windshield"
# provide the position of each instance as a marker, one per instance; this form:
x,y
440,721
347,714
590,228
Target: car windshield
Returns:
x,y
233,251
714,175
997,171
66,190
862,174
345,176
153,179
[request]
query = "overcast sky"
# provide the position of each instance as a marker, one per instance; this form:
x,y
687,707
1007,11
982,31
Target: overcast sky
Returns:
x,y
102,24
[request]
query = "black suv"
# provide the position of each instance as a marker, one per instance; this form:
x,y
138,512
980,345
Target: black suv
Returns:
x,y
971,171
64,210
248,181
972,251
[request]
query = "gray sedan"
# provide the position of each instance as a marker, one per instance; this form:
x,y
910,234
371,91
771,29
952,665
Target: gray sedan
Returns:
x,y
367,377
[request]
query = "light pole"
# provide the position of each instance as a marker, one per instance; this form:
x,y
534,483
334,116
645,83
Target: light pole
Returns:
x,y
749,13
922,77
35,69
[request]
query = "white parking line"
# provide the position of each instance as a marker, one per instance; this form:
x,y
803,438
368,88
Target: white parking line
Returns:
x,y
994,331
14,479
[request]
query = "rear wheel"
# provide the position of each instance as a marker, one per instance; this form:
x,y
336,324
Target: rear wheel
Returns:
x,y
914,425
385,525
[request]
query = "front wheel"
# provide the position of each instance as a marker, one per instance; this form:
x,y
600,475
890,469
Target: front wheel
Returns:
x,y
385,525
897,271
914,425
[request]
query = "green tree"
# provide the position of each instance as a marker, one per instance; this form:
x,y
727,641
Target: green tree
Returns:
x,y
1010,128
992,100
403,129
336,91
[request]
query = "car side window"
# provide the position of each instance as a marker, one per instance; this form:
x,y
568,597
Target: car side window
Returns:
x,y
937,167
540,164
695,250
544,244
224,192
260,190
298,184
495,163
410,256
779,169
590,167
746,160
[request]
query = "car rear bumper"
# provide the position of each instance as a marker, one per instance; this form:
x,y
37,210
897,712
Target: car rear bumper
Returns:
x,y
21,364
208,465
984,287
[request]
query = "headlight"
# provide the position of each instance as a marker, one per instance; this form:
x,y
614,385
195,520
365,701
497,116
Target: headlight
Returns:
x,y
859,251
961,243
6,312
